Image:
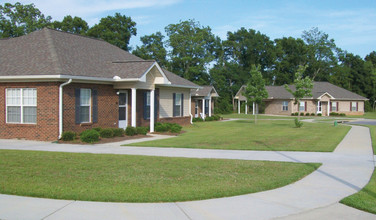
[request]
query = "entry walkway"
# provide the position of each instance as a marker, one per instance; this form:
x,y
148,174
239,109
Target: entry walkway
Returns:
x,y
344,172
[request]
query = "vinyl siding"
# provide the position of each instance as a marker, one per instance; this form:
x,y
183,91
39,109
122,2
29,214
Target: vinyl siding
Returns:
x,y
165,101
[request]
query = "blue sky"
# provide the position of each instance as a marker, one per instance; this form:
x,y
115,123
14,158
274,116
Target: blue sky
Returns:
x,y
352,24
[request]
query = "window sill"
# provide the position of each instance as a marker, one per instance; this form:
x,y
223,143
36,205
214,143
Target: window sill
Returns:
x,y
20,124
84,124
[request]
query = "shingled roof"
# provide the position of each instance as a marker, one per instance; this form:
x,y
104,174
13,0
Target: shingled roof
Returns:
x,y
52,52
204,91
319,89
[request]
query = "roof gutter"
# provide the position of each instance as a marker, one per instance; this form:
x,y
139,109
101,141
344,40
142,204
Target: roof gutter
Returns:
x,y
61,106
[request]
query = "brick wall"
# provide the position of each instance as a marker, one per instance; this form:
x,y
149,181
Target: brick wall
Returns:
x,y
108,107
180,120
47,126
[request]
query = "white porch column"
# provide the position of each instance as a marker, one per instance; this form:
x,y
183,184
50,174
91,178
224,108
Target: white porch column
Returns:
x,y
203,108
210,107
246,107
328,112
253,108
238,106
133,121
152,97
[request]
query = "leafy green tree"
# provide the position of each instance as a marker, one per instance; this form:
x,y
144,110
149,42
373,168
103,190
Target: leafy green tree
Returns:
x,y
247,48
322,57
303,87
74,25
290,53
17,20
116,30
255,90
153,48
193,48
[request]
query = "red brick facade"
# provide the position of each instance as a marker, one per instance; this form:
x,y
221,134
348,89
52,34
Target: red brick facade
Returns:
x,y
47,126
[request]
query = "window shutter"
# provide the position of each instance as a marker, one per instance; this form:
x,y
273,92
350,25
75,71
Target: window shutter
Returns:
x,y
144,106
156,105
77,93
95,105
173,104
182,104
305,106
350,106
356,106
337,106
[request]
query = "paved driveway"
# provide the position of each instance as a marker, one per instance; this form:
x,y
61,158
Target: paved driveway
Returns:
x,y
363,122
344,172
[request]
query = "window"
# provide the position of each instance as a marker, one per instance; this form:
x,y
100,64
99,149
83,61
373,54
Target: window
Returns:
x,y
285,106
85,105
206,106
147,105
354,106
178,104
196,107
334,106
302,106
21,106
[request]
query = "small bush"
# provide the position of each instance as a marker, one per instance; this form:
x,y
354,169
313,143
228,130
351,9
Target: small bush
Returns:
x,y
130,131
176,128
216,117
118,132
292,114
68,136
106,133
97,129
307,114
161,127
319,114
296,113
313,114
142,130
197,120
301,113
209,118
333,114
342,114
90,136
298,123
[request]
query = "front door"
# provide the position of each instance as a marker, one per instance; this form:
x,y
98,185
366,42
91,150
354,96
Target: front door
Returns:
x,y
319,108
123,110
196,108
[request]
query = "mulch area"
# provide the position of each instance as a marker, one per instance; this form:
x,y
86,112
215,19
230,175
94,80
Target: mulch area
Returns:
x,y
105,140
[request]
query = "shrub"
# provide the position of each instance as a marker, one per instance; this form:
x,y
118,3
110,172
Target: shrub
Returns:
x,y
298,123
333,113
106,133
216,117
176,128
292,114
301,113
342,114
142,130
197,120
296,113
159,127
97,129
130,131
118,132
90,136
313,114
307,114
209,118
68,136
319,114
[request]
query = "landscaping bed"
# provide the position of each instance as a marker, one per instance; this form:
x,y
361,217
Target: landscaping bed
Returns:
x,y
105,140
125,178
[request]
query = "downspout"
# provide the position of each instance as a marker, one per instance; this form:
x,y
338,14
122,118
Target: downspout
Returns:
x,y
190,110
61,107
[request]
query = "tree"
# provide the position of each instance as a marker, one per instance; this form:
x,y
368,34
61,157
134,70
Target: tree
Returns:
x,y
17,20
74,25
255,90
303,87
116,30
153,48
322,57
193,48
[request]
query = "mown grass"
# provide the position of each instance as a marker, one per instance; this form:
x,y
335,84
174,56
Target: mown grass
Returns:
x,y
278,135
367,115
365,199
123,178
372,130
259,116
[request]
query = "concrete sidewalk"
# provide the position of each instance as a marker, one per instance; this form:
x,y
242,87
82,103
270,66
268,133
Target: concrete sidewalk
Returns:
x,y
344,172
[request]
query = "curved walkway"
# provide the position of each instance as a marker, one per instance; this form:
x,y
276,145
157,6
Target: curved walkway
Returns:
x,y
344,172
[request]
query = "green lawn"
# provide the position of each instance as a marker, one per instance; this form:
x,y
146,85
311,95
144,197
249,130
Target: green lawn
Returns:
x,y
278,135
259,116
372,130
368,115
123,178
364,199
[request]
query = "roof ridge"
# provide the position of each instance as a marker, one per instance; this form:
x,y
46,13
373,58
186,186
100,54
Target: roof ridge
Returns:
x,y
133,61
52,49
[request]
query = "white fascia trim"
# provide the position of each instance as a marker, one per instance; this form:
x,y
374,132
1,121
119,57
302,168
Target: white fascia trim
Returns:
x,y
326,93
57,77
155,64
179,86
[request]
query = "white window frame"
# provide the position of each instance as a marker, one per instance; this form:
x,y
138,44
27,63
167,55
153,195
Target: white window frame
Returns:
x,y
302,105
353,106
85,105
285,105
178,103
334,106
21,105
